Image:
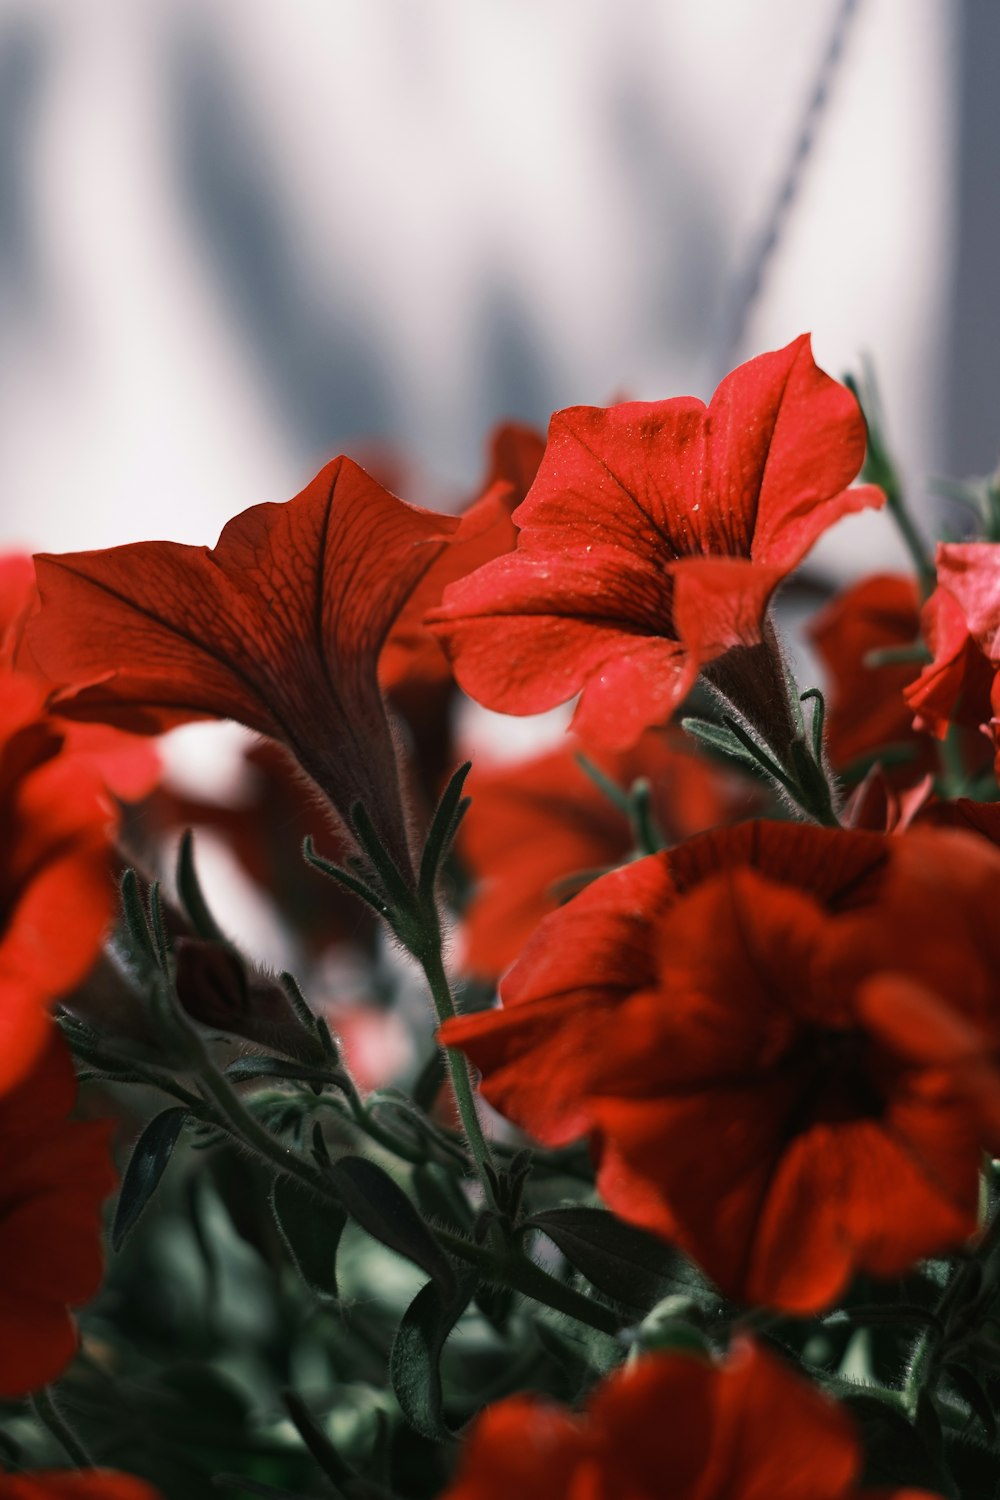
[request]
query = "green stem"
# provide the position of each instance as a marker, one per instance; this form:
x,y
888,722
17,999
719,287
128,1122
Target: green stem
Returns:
x,y
523,1275
48,1413
512,1270
240,1123
458,1072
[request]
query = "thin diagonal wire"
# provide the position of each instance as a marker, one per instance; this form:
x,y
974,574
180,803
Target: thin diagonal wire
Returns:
x,y
747,285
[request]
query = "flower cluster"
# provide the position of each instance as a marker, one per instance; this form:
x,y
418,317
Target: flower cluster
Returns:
x,y
729,969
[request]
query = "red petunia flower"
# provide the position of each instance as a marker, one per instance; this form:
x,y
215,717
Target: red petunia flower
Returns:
x,y
537,824
75,1484
779,1040
651,542
55,893
866,710
55,1175
129,766
740,1431
961,622
279,626
412,658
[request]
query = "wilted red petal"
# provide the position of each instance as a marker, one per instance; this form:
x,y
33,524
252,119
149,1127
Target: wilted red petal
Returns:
x,y
279,626
623,495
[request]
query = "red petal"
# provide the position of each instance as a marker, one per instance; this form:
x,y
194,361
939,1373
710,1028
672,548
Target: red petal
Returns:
x,y
279,626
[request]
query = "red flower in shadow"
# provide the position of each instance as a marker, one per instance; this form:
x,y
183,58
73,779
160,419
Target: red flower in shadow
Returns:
x,y
55,1176
279,626
55,891
671,1424
651,542
779,1040
866,709
75,1484
961,622
537,824
129,766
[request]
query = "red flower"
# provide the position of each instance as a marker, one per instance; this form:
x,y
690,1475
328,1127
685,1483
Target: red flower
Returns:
x,y
55,1174
129,767
671,1424
866,710
537,824
777,1040
412,657
279,626
75,1484
651,542
55,893
961,622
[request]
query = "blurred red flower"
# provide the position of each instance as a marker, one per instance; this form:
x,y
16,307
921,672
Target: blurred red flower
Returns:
x,y
538,823
279,627
55,892
675,1425
128,765
651,542
55,1174
779,1039
961,622
412,656
75,1484
866,710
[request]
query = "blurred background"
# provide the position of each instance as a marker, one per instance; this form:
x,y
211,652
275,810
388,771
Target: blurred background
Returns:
x,y
237,239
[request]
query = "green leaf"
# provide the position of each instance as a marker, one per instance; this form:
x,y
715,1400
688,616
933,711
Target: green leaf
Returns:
x,y
415,1360
721,740
146,1166
380,1206
311,1231
191,895
260,1066
623,1262
444,826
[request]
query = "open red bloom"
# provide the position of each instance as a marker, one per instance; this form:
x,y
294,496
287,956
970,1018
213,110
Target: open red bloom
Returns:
x,y
778,1039
55,892
54,1176
672,1425
75,1484
129,766
961,622
651,542
539,823
279,626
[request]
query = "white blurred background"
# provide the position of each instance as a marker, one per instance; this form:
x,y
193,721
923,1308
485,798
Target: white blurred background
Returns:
x,y
238,236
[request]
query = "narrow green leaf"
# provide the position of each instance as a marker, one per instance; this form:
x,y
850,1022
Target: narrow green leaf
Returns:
x,y
415,1360
444,826
135,919
621,1261
146,1166
259,1066
350,882
718,739
190,892
311,1231
380,1206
